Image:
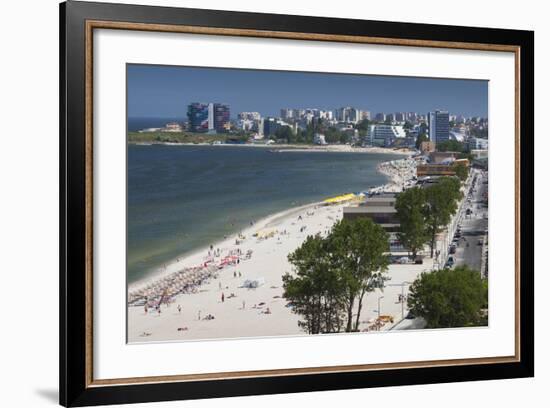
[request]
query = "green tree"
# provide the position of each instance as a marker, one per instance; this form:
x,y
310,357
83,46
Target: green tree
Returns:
x,y
413,232
315,292
441,203
285,133
450,146
449,298
461,171
358,250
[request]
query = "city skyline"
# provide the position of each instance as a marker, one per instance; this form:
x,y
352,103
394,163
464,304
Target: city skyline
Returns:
x,y
166,91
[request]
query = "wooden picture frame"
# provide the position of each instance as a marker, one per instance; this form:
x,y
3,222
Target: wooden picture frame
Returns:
x,y
78,20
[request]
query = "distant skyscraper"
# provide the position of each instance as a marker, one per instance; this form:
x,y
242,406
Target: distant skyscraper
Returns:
x,y
380,117
287,113
205,117
438,125
198,115
348,114
221,117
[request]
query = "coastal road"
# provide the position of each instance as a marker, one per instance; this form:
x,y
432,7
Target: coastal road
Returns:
x,y
473,225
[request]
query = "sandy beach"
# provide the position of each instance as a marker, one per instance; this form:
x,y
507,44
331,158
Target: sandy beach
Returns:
x,y
286,148
234,288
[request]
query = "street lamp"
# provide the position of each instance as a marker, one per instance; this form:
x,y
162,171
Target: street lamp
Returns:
x,y
402,299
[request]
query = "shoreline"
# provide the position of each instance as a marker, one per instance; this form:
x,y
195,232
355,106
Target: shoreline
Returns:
x,y
290,148
182,260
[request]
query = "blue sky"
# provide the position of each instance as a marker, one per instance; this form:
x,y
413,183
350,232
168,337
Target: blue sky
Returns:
x,y
165,91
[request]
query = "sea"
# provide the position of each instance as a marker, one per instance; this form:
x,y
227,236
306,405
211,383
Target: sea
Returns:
x,y
182,198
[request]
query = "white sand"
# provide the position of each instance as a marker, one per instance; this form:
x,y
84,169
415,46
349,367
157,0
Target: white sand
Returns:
x,y
268,263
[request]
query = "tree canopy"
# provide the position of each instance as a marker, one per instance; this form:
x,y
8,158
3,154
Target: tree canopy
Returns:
x,y
461,171
441,203
449,298
333,274
450,146
410,206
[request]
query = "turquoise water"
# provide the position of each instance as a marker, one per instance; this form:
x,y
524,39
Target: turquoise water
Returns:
x,y
181,198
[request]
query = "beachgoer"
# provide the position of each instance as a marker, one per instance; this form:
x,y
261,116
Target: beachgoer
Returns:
x,y
199,317
244,304
223,297
179,309
145,308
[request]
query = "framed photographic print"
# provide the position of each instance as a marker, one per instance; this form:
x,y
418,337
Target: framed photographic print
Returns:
x,y
255,203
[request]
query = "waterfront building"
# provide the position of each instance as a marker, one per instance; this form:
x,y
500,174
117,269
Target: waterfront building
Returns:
x,y
438,126
172,127
435,170
384,135
381,210
476,143
220,113
319,139
198,115
208,117
271,125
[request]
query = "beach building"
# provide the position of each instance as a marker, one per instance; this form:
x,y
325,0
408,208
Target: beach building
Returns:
x,y
271,125
444,169
384,135
442,157
438,126
381,210
319,139
208,117
427,147
172,127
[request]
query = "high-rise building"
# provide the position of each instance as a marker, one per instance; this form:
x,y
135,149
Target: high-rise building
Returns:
x,y
207,117
198,115
348,114
287,113
380,117
400,116
221,117
438,126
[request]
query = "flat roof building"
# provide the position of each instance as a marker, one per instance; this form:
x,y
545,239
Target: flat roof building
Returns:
x,y
438,126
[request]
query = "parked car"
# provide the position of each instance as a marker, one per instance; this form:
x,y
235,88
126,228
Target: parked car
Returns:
x,y
452,249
